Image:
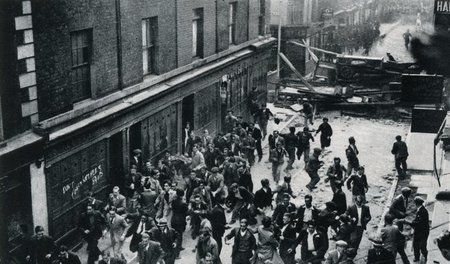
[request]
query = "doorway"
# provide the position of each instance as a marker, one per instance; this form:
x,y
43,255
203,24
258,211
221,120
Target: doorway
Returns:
x,y
116,160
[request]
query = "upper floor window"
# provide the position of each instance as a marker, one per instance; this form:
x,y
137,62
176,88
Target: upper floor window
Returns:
x,y
197,33
81,68
232,23
149,45
261,19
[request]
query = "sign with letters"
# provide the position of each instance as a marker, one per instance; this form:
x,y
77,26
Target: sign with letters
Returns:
x,y
442,7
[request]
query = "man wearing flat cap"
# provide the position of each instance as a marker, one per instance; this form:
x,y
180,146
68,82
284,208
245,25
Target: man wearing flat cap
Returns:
x,y
378,254
338,255
421,227
167,237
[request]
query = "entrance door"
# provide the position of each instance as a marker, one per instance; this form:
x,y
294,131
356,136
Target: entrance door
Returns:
x,y
187,116
116,161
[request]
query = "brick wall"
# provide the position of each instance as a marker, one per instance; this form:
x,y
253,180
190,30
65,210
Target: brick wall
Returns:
x,y
132,13
53,50
184,29
10,92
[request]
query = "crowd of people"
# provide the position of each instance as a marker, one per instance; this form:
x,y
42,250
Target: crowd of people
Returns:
x,y
213,182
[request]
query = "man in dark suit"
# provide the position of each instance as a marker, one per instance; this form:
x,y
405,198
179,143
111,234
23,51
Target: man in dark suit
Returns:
x,y
218,222
339,198
133,182
263,197
91,224
149,252
257,136
284,207
140,225
136,159
179,214
274,138
314,244
66,257
96,204
421,227
244,243
352,156
378,254
359,214
400,204
117,200
168,239
41,248
288,237
291,142
306,213
400,150
107,259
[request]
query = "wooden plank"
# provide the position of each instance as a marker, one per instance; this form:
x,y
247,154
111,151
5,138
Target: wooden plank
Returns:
x,y
313,48
297,73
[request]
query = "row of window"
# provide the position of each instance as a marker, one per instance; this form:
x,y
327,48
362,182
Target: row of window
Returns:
x,y
82,45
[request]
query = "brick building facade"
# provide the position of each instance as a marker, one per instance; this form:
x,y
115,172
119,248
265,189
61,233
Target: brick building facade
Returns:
x,y
88,81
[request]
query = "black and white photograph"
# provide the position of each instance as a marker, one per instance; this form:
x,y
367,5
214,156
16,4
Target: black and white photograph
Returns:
x,y
224,131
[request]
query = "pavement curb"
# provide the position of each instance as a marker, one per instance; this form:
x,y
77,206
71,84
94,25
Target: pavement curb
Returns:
x,y
390,196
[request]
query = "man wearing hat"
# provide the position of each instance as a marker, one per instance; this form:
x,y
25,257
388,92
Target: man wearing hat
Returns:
x,y
136,160
339,255
378,254
168,239
149,252
313,166
421,227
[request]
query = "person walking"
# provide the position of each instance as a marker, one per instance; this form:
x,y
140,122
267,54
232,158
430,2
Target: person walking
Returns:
x,y
314,164
91,225
393,239
407,38
421,227
400,151
140,225
118,229
263,116
360,216
207,245
378,254
41,247
339,198
288,237
306,213
282,208
335,173
178,220
314,244
352,156
218,222
264,196
167,237
149,252
303,147
326,132
277,158
257,136
244,243
291,142
308,112
357,183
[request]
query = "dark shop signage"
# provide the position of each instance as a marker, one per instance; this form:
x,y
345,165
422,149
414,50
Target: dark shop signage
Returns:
x,y
442,7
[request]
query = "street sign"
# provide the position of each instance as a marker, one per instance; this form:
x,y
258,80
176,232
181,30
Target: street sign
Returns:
x,y
442,15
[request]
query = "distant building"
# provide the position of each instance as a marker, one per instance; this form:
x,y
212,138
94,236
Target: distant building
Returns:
x,y
83,83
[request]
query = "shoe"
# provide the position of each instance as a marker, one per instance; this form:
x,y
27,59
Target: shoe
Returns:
x,y
309,188
181,249
416,260
314,187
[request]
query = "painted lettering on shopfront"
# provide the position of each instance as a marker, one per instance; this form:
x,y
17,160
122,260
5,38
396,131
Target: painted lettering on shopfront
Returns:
x,y
92,177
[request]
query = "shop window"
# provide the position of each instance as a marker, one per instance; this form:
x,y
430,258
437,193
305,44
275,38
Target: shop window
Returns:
x,y
197,33
81,64
149,45
232,23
